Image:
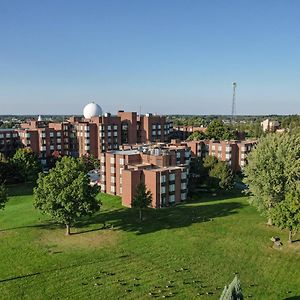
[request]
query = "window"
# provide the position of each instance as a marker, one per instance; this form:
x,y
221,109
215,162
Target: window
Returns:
x,y
183,196
171,187
172,177
112,160
112,179
172,199
183,175
121,161
109,127
178,154
163,190
115,127
115,133
112,170
183,186
113,189
102,158
163,178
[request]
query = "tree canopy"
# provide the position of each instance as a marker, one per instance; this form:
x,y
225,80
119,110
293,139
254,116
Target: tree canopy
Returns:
x,y
221,176
197,136
219,131
27,164
273,173
65,193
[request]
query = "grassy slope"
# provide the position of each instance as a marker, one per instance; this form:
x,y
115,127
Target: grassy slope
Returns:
x,y
74,267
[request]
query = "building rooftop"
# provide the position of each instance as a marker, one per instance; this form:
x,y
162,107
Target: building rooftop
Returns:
x,y
125,152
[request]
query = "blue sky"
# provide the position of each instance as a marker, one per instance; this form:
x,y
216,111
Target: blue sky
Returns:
x,y
167,56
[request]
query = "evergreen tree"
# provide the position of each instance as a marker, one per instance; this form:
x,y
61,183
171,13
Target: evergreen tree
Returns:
x,y
142,198
233,291
222,176
65,193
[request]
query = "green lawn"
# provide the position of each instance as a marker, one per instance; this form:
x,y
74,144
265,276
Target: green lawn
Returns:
x,y
182,252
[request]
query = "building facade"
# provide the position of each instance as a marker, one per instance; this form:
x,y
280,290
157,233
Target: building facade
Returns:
x,y
162,168
79,136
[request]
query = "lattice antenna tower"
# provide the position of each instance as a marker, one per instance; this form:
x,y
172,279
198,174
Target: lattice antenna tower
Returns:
x,y
233,107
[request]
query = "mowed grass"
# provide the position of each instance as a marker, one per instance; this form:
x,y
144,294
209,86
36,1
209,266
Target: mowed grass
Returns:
x,y
183,252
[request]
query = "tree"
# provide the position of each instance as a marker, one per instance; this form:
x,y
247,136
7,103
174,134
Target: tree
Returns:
x,y
218,131
222,176
27,164
90,162
3,196
287,213
142,198
65,193
272,171
197,136
209,162
233,291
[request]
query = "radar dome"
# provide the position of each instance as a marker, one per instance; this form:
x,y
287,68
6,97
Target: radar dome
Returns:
x,y
92,110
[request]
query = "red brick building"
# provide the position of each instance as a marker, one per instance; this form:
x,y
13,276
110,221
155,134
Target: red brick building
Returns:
x,y
162,168
79,136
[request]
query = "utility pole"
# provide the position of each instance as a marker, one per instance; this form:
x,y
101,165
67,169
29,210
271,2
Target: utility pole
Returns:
x,y
233,102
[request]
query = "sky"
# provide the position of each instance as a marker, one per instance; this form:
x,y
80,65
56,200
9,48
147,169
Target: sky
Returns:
x,y
159,56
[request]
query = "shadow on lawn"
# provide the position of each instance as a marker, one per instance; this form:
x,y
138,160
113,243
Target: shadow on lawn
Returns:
x,y
22,189
209,196
126,219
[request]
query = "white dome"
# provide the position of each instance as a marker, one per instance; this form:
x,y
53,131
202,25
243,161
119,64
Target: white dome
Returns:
x,y
92,110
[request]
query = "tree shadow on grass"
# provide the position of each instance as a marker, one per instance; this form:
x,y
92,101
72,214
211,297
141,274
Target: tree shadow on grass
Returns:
x,y
21,189
292,298
210,196
126,219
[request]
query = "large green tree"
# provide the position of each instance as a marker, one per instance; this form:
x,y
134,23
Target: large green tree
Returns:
x,y
141,199
3,196
219,131
272,171
27,164
65,194
221,176
197,136
286,214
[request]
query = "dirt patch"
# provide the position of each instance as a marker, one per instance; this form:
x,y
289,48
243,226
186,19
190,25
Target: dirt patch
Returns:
x,y
56,240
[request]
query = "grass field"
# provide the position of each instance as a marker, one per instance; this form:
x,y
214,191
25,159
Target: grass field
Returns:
x,y
182,252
